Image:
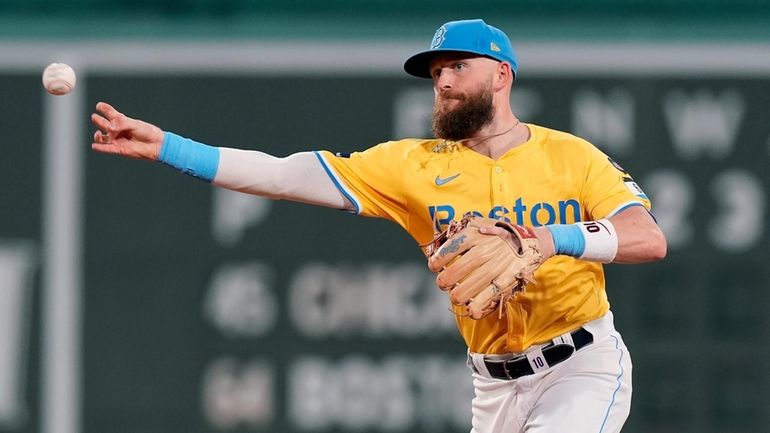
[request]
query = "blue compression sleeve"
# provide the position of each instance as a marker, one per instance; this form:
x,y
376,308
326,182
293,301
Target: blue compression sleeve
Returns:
x,y
568,239
190,157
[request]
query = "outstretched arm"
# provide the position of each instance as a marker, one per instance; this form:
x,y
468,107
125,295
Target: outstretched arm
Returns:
x,y
298,177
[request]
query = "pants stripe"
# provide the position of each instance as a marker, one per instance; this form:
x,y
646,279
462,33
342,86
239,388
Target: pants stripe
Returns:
x,y
617,388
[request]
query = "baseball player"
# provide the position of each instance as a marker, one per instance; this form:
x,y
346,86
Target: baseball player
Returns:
x,y
549,358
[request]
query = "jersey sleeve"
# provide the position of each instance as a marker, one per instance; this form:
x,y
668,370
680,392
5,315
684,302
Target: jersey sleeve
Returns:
x,y
609,188
372,180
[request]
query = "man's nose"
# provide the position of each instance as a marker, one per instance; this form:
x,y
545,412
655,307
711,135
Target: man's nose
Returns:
x,y
443,82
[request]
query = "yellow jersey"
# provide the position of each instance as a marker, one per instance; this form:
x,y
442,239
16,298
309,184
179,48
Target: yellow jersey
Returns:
x,y
552,178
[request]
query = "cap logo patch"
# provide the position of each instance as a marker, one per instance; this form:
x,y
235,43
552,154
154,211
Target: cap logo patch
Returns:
x,y
494,47
438,38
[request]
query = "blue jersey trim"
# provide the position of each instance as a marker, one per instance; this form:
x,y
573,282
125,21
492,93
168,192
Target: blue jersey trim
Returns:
x,y
337,183
632,204
617,388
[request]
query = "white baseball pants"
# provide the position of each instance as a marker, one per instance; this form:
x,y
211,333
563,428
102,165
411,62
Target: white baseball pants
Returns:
x,y
590,392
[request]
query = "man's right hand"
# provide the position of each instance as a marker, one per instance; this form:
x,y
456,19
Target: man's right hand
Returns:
x,y
122,135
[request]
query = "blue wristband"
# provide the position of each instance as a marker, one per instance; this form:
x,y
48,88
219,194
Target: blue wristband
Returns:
x,y
189,157
568,239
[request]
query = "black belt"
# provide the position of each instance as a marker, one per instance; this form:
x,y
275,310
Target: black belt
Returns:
x,y
519,366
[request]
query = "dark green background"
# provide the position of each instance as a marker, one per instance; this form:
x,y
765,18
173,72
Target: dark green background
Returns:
x,y
696,324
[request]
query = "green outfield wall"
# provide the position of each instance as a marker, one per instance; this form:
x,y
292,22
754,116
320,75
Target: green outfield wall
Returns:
x,y
390,19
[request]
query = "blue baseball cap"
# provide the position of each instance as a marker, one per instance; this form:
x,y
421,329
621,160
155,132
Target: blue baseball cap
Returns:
x,y
466,36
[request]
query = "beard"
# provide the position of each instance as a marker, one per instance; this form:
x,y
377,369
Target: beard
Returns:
x,y
473,112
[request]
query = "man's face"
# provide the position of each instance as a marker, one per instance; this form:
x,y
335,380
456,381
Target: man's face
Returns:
x,y
463,88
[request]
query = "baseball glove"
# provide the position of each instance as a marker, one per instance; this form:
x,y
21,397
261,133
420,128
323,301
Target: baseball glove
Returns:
x,y
483,271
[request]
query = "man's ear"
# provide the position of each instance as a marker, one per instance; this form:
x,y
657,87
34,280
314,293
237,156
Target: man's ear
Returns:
x,y
504,76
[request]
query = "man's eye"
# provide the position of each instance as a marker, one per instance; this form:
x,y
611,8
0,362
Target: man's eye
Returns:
x,y
459,66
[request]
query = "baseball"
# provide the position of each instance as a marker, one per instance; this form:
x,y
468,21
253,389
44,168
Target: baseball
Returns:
x,y
59,79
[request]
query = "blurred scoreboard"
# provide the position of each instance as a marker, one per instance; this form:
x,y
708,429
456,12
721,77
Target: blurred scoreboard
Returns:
x,y
205,310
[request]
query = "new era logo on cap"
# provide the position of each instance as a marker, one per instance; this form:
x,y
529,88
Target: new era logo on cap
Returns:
x,y
466,36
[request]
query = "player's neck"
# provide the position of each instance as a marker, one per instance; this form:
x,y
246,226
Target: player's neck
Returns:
x,y
497,138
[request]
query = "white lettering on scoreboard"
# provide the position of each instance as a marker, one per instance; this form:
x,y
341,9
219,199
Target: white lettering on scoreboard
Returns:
x,y
240,300
398,393
735,219
377,300
238,394
704,122
605,119
233,213
740,220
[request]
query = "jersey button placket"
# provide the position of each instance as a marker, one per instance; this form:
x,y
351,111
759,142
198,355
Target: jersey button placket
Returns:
x,y
497,184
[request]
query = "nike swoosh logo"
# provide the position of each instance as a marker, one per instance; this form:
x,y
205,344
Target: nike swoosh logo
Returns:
x,y
440,181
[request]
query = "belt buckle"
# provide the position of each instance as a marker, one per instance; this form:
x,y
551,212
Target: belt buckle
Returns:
x,y
511,360
505,368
